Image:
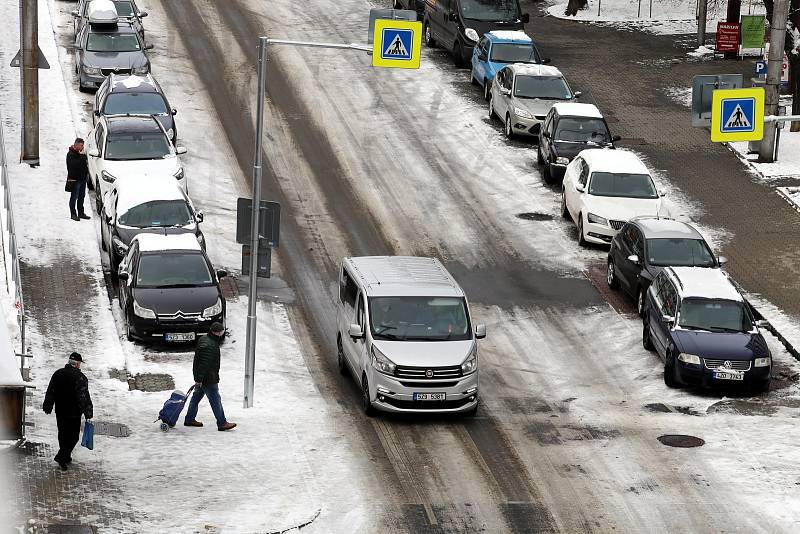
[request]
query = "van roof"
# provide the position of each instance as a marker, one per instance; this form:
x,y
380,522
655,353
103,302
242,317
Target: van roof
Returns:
x,y
102,12
574,109
397,276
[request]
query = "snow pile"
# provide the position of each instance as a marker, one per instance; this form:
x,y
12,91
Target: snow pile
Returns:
x,y
680,95
701,51
788,161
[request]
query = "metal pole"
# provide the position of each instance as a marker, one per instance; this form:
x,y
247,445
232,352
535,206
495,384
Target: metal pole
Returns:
x,y
701,21
250,353
780,14
29,73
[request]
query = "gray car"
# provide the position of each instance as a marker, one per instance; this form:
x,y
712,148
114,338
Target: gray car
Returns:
x,y
522,95
105,48
126,10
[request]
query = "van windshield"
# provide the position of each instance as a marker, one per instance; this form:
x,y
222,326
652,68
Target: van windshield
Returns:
x,y
419,319
490,10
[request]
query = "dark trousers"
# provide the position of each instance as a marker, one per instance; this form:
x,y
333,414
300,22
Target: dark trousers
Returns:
x,y
76,197
69,432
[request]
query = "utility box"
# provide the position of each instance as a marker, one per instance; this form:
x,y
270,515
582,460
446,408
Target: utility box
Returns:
x,y
703,86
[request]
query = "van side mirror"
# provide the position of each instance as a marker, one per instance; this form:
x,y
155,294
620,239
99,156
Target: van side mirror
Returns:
x,y
149,46
546,134
616,138
669,319
546,61
74,13
174,111
579,188
93,152
480,331
199,216
180,150
763,323
576,94
355,332
123,276
633,258
722,260
142,14
222,273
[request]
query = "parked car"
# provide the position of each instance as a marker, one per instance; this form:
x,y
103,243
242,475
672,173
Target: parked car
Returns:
x,y
129,94
406,336
646,245
458,24
168,289
701,326
122,145
145,204
105,48
495,50
522,95
126,12
569,128
415,5
603,189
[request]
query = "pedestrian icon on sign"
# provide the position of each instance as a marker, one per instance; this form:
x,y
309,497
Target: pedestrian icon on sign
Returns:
x,y
737,115
397,44
737,120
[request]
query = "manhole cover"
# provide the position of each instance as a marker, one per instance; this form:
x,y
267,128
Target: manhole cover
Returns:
x,y
534,216
681,440
116,430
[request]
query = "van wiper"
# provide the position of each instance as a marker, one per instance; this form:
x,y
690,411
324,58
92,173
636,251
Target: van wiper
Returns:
x,y
385,329
692,327
725,329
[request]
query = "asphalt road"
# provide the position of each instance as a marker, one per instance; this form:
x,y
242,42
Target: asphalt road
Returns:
x,y
374,162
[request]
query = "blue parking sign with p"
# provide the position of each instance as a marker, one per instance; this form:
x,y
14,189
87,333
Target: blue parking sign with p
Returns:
x,y
738,115
397,44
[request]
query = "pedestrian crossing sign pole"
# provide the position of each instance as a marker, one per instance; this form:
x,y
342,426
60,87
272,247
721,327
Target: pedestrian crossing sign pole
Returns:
x,y
396,44
737,115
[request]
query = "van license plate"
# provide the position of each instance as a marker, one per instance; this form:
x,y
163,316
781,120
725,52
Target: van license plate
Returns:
x,y
430,396
729,376
187,336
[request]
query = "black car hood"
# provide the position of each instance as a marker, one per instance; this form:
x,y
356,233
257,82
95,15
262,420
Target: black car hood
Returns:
x,y
721,346
169,300
569,149
126,235
110,60
484,26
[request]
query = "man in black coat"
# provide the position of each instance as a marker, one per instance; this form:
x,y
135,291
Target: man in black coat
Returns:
x,y
206,378
77,175
69,392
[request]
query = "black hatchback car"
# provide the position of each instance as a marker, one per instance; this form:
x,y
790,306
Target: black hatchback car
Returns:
x,y
127,94
645,245
168,289
704,330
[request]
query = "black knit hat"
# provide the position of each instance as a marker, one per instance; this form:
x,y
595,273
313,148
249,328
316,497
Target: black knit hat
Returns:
x,y
75,357
217,328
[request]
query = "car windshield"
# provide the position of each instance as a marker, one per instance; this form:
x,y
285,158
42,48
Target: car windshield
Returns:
x,y
622,184
157,213
715,315
137,146
124,9
545,87
419,318
679,252
490,10
112,42
515,53
135,104
173,269
582,130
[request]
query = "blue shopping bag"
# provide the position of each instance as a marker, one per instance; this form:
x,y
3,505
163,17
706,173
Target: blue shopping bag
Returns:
x,y
88,435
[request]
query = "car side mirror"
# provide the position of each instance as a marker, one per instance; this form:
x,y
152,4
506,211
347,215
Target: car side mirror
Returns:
x,y
174,111
576,94
355,332
579,188
722,260
199,216
526,18
669,319
149,46
453,16
546,134
222,273
505,91
616,138
142,14
763,323
180,150
93,152
546,61
483,57
74,14
480,331
662,193
633,258
123,276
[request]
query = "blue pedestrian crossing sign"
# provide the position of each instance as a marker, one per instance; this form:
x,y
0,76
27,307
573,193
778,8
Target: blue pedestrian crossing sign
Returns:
x,y
737,115
397,43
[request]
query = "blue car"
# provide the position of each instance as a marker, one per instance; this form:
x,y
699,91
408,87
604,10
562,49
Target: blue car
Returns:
x,y
703,329
498,48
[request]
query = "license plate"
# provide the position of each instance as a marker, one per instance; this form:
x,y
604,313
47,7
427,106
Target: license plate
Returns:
x,y
187,336
430,396
728,376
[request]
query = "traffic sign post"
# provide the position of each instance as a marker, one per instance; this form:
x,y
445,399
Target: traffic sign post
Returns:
x,y
737,115
397,44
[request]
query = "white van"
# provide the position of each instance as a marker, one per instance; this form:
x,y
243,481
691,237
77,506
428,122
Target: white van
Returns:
x,y
406,336
102,12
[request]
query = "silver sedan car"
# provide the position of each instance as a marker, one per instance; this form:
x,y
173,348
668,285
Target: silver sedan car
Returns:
x,y
522,94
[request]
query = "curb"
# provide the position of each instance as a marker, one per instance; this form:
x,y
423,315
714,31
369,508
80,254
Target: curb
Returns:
x,y
785,342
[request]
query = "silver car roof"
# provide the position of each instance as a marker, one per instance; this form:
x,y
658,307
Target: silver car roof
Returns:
x,y
399,276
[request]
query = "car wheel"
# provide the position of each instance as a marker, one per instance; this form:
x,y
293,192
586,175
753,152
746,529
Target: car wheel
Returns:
x,y
539,156
113,263
103,240
128,334
611,275
647,341
366,404
430,42
472,77
340,356
458,55
487,89
581,239
640,301
671,373
491,108
564,210
509,131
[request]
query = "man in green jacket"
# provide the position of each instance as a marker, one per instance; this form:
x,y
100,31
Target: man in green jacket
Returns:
x,y
206,378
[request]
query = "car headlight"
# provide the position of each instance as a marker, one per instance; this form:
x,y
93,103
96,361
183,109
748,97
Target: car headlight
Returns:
x,y
381,363
92,70
107,177
211,311
471,34
471,363
762,362
170,133
689,358
179,174
120,247
522,113
143,312
140,70
562,161
596,219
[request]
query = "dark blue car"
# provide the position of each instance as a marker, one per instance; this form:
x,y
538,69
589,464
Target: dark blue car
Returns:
x,y
703,329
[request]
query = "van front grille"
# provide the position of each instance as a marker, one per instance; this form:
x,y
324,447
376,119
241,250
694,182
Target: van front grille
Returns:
x,y
428,373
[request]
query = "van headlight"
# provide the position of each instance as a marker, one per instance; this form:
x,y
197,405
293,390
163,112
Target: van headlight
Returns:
x,y
211,311
179,174
762,362
471,34
381,363
689,358
596,219
91,70
470,365
141,311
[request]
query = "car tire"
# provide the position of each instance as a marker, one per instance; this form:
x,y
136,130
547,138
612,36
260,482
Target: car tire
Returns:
x,y
430,42
611,275
128,334
458,55
507,128
340,357
491,108
487,89
564,210
640,294
472,77
647,341
366,404
547,174
581,239
103,241
671,373
539,156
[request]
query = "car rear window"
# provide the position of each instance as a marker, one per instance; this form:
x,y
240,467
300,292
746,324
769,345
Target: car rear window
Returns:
x,y
515,53
135,104
582,130
173,269
612,184
112,42
124,9
679,252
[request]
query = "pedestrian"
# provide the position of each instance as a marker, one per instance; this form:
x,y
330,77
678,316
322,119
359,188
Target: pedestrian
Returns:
x,y
77,175
69,392
206,378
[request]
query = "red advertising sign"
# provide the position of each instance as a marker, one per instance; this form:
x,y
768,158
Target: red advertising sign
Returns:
x,y
728,36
